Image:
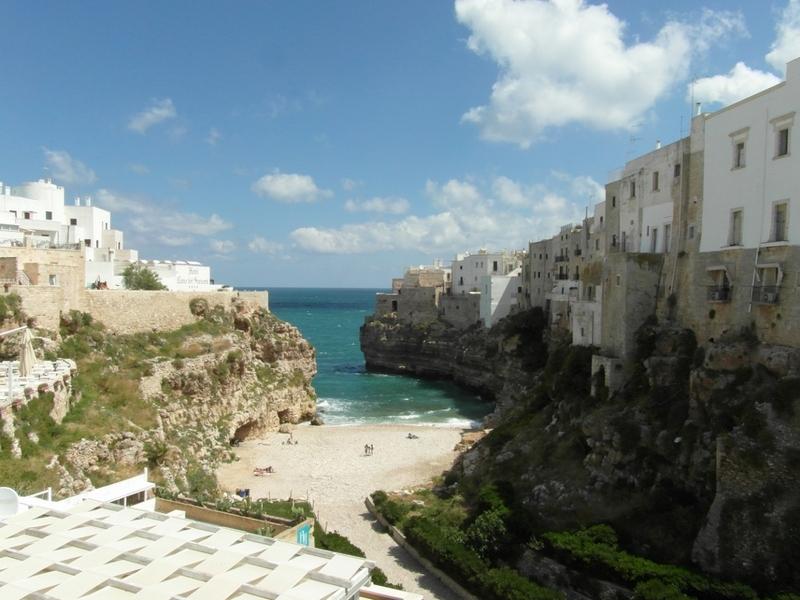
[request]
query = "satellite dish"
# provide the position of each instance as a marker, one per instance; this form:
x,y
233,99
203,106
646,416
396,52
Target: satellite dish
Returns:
x,y
9,502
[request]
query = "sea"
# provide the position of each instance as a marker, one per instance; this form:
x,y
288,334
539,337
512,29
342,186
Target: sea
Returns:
x,y
346,393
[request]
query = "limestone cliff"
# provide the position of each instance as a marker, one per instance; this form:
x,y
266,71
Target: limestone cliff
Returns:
x,y
694,461
175,400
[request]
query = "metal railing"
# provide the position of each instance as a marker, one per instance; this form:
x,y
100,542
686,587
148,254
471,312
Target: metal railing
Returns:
x,y
765,294
561,258
718,293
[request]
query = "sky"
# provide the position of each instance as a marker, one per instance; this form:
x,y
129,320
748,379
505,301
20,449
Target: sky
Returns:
x,y
333,144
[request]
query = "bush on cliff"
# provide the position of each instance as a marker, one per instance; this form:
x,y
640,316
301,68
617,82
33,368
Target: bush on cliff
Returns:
x,y
594,551
138,277
443,547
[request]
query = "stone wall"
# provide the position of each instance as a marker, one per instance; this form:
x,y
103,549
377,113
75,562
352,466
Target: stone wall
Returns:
x,y
418,305
630,291
710,319
386,304
131,311
460,311
43,303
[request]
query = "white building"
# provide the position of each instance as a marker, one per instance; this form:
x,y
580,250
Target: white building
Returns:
x,y
646,200
750,193
499,295
468,269
110,544
36,211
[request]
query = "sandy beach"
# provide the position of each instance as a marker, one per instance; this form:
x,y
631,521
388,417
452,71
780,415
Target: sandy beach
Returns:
x,y
328,465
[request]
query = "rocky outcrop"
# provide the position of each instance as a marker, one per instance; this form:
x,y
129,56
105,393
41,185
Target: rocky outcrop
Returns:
x,y
694,461
497,363
251,375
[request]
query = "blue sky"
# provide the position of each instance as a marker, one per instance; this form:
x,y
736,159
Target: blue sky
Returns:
x,y
300,143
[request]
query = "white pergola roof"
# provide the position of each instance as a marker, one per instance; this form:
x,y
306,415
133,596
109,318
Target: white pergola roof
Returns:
x,y
95,551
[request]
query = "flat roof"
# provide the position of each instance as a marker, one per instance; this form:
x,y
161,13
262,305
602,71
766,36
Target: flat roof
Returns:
x,y
96,551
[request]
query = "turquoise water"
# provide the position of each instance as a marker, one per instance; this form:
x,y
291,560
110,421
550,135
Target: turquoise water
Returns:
x,y
347,394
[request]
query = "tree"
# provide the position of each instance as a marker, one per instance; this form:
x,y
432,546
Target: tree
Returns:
x,y
138,277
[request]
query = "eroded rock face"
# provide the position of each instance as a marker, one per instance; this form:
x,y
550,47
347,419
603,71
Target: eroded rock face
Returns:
x,y
695,460
239,385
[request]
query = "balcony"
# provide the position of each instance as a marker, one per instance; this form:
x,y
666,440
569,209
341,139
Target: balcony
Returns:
x,y
562,258
718,293
562,276
578,252
765,294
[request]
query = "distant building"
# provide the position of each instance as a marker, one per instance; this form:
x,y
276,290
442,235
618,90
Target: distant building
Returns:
x,y
34,214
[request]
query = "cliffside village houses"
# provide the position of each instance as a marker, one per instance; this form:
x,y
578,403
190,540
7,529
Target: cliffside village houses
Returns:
x,y
704,231
34,216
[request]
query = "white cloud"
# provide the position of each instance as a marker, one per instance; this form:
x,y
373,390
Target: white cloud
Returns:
x,y
139,169
565,61
158,111
222,246
67,170
739,83
389,205
289,187
169,226
348,185
213,136
261,245
786,46
467,218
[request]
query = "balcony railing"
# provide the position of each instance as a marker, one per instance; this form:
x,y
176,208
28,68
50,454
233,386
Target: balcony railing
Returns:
x,y
562,277
718,293
562,258
765,294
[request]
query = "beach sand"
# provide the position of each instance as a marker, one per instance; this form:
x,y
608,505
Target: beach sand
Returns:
x,y
328,465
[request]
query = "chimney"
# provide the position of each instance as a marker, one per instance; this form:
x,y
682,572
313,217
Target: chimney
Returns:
x,y
699,108
658,144
77,200
87,200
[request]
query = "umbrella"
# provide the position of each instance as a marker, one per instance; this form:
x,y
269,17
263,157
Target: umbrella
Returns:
x,y
27,358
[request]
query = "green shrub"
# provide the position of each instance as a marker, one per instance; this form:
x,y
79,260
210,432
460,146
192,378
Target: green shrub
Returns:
x,y
393,511
655,589
594,551
378,498
507,584
138,277
445,549
487,532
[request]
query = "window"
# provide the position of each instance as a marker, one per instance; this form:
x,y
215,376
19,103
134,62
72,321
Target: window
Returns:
x,y
73,221
783,142
87,243
26,215
738,155
654,240
53,279
614,240
613,201
667,235
735,234
494,266
676,172
633,189
779,219
655,181
48,215
597,244
691,232
619,280
624,239
601,220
